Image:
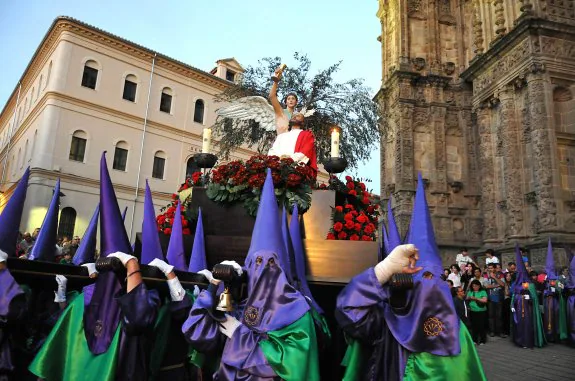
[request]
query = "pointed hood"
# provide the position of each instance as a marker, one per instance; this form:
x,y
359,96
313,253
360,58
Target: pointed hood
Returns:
x,y
198,260
176,255
299,258
394,239
550,263
571,280
151,247
522,275
288,246
267,233
102,311
383,250
124,213
87,249
422,236
45,246
11,216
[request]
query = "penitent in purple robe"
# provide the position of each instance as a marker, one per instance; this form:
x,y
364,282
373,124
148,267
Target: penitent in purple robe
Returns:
x,y
571,316
523,327
12,309
365,312
551,315
138,310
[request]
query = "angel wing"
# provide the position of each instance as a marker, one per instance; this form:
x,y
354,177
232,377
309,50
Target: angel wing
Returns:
x,y
251,108
307,112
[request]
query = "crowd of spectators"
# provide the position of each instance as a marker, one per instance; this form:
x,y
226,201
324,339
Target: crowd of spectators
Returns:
x,y
65,247
482,295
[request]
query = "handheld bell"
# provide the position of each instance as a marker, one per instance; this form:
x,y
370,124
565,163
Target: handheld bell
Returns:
x,y
226,301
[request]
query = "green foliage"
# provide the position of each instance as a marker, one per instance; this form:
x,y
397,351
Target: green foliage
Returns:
x,y
348,105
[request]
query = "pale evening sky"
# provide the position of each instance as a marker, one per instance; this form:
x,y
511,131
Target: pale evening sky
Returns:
x,y
200,32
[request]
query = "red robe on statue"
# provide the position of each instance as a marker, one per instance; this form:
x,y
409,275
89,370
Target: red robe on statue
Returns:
x,y
306,144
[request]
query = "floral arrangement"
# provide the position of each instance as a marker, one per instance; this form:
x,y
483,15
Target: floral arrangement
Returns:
x,y
355,216
166,218
237,181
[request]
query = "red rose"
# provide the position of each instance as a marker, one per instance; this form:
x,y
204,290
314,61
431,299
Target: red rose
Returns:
x,y
348,178
174,196
342,235
361,218
167,231
352,192
348,216
338,209
349,206
365,238
365,201
357,227
350,186
185,186
349,224
186,231
184,222
330,236
370,209
337,226
354,237
368,229
362,186
354,213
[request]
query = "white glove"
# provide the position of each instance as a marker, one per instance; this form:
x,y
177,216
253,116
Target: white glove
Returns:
x,y
123,257
177,292
512,309
207,274
162,266
394,262
91,267
229,326
60,295
235,265
3,256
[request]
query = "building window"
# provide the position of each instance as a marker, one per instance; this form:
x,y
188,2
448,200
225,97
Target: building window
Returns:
x,y
67,222
90,76
166,100
199,111
230,75
191,167
159,165
120,156
78,146
130,86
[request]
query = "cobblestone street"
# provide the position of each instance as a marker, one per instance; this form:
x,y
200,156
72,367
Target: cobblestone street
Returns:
x,y
502,360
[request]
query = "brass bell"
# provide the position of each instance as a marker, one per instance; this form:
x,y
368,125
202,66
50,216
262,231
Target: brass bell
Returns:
x,y
226,301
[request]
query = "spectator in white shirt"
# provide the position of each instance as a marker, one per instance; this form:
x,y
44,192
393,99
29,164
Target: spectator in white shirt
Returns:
x,y
490,257
455,276
463,258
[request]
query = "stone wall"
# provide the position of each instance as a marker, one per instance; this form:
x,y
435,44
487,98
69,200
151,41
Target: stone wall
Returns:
x,y
477,95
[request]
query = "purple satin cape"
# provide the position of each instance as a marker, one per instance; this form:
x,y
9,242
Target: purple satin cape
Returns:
x,y
272,302
101,312
427,323
9,289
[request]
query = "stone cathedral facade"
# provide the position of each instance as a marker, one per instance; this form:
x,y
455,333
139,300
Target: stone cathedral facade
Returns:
x,y
478,95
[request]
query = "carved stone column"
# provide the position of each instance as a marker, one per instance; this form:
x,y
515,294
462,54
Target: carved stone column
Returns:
x,y
404,156
541,143
512,165
487,176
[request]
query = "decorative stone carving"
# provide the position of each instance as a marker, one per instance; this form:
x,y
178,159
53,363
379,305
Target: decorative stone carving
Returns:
x,y
418,63
500,28
526,7
449,68
531,198
456,186
502,205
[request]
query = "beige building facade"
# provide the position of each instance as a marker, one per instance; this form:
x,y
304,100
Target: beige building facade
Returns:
x,y
478,96
86,91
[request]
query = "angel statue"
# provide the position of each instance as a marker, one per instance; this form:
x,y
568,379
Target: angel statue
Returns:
x,y
292,139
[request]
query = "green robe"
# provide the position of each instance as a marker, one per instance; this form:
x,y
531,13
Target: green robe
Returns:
x,y
424,366
67,340
292,351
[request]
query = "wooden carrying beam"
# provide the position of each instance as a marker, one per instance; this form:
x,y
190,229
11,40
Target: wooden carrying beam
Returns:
x,y
39,273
